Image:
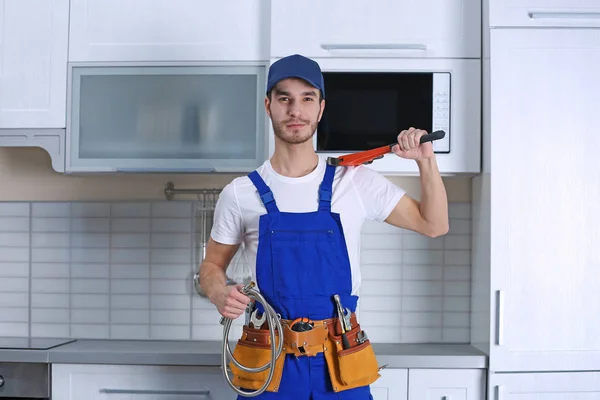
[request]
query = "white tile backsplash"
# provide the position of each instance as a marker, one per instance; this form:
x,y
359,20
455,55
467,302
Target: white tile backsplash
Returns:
x,y
123,271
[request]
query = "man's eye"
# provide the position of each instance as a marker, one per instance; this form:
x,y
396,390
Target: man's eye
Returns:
x,y
308,98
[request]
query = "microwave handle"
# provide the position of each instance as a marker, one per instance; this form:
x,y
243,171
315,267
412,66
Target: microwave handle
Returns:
x,y
382,46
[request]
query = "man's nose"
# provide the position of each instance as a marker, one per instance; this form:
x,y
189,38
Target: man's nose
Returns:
x,y
295,110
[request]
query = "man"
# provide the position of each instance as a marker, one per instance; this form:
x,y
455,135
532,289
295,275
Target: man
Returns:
x,y
300,220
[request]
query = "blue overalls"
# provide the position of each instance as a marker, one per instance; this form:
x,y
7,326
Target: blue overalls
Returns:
x,y
302,261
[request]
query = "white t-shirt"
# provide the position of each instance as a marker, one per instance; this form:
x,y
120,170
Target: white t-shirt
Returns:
x,y
359,194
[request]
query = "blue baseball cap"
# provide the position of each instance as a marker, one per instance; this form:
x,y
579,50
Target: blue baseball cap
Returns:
x,y
296,66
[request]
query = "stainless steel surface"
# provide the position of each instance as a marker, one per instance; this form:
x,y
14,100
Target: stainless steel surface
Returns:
x,y
170,191
25,380
274,322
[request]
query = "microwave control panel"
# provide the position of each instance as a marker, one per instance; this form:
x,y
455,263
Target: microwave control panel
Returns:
x,y
441,110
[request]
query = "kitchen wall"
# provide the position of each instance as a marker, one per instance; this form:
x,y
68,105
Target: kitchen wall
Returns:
x,y
107,256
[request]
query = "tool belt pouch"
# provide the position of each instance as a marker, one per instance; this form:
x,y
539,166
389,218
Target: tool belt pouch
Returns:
x,y
253,350
353,367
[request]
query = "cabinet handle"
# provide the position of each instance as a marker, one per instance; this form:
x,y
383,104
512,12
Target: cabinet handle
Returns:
x,y
168,170
165,392
499,317
399,46
563,15
499,392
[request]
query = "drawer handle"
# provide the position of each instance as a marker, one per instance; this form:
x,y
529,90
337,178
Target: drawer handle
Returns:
x,y
564,15
165,392
399,46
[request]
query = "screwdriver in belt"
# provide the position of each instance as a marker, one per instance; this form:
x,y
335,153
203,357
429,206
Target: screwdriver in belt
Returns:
x,y
340,311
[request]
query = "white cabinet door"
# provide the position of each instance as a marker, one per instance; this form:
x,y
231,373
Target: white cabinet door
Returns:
x,y
132,382
544,13
167,30
545,386
545,185
446,384
346,28
33,63
393,385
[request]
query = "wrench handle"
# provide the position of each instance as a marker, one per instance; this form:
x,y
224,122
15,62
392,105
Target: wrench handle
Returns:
x,y
345,341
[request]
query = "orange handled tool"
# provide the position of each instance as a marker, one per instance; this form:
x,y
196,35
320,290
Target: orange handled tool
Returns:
x,y
368,156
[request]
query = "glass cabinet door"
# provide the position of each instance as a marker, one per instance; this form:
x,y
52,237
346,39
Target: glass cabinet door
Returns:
x,y
166,118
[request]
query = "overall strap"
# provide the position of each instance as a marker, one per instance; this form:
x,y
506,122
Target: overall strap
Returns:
x,y
265,192
325,189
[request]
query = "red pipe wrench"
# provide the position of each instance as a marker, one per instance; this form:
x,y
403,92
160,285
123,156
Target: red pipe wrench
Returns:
x,y
368,156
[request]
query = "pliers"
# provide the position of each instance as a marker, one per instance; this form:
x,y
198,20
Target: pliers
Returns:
x,y
368,156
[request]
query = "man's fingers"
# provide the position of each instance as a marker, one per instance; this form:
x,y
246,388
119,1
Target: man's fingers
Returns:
x,y
239,296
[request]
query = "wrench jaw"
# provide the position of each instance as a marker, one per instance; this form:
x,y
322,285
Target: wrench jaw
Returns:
x,y
257,322
347,323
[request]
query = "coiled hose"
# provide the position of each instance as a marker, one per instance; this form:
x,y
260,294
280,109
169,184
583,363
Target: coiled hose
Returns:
x,y
274,322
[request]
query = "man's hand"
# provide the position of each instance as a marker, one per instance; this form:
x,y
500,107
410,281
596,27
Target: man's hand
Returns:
x,y
409,147
230,302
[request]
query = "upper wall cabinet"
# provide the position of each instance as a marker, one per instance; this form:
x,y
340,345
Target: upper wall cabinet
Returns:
x,y
168,30
33,63
556,13
166,118
348,28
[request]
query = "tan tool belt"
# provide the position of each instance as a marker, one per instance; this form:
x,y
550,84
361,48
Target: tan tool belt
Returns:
x,y
348,368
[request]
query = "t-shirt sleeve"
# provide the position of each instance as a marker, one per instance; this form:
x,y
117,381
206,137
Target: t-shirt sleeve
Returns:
x,y
377,194
228,224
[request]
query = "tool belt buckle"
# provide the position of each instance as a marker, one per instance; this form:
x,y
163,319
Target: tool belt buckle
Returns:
x,y
301,325
304,337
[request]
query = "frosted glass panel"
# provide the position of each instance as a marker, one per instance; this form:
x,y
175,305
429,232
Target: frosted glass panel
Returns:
x,y
167,117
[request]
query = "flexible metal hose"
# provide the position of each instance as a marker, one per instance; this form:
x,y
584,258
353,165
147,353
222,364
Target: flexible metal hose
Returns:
x,y
274,322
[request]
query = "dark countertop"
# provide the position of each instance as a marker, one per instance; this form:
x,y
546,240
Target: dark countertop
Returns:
x,y
208,353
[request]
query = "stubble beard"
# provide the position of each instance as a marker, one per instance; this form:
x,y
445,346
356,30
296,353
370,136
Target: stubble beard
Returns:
x,y
295,138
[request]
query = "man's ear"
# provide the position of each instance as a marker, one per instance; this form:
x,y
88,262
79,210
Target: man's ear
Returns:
x,y
322,109
268,106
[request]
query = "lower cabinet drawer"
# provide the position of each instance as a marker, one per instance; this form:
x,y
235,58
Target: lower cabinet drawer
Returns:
x,y
119,382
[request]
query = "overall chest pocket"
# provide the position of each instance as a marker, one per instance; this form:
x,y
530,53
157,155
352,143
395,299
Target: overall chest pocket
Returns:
x,y
306,263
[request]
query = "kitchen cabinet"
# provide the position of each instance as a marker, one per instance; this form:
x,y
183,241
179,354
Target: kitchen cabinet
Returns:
x,y
168,30
535,207
545,386
443,384
355,28
166,118
392,385
33,64
544,13
91,381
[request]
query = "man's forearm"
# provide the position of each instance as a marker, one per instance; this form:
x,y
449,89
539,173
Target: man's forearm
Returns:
x,y
434,201
212,279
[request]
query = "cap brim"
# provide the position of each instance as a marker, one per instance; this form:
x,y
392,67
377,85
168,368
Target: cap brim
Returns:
x,y
313,84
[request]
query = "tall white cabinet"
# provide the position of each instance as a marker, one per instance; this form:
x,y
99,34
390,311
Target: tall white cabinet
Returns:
x,y
536,219
33,63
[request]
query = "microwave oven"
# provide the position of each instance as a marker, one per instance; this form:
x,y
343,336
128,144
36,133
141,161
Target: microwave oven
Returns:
x,y
365,110
369,101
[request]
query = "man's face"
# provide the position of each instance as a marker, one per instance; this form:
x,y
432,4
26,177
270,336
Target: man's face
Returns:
x,y
295,110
